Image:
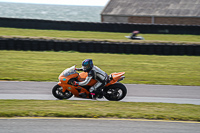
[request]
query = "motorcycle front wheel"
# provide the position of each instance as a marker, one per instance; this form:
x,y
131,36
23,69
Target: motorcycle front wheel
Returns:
x,y
57,93
115,92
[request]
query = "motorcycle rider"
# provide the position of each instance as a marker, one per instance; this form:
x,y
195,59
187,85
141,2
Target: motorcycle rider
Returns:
x,y
93,73
135,37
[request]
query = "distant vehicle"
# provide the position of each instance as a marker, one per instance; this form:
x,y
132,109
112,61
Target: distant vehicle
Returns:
x,y
134,36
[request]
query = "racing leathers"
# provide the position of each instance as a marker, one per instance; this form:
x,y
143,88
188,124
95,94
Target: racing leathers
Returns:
x,y
97,74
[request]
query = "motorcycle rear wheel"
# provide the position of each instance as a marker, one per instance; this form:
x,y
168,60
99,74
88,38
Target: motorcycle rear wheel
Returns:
x,y
57,93
115,92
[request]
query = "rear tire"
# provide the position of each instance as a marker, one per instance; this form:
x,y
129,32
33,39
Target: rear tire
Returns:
x,y
57,93
115,92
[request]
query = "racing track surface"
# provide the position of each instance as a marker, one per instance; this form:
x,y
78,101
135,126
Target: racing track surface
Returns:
x,y
62,125
136,92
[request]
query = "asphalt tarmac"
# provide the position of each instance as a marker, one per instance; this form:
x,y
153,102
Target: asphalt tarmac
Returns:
x,y
53,125
136,92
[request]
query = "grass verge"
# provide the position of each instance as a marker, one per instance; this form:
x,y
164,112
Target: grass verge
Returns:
x,y
98,109
140,69
97,36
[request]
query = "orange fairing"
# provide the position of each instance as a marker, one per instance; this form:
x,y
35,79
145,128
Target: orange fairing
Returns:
x,y
67,74
115,77
65,80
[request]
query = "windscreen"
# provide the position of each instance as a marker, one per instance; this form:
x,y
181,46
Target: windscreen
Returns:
x,y
69,71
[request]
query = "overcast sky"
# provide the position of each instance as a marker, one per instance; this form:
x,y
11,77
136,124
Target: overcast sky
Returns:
x,y
63,2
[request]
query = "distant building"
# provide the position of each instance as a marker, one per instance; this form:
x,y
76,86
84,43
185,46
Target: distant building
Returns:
x,y
185,12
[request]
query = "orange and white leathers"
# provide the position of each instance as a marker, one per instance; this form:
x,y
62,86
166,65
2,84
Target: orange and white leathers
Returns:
x,y
97,74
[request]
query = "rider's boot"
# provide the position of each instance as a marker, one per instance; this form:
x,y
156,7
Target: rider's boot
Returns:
x,y
94,96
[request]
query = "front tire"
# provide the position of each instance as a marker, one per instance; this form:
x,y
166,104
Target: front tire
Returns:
x,y
115,92
57,93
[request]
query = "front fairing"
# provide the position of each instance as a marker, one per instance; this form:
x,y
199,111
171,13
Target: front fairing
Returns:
x,y
64,81
67,74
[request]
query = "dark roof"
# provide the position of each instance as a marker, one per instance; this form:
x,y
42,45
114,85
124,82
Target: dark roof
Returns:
x,y
184,8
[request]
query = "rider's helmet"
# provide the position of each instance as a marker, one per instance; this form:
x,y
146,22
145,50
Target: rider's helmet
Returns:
x,y
87,65
135,32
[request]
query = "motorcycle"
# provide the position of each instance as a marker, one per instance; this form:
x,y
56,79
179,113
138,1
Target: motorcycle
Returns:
x,y
64,89
134,36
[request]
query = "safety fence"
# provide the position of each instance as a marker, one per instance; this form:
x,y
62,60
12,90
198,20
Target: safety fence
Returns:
x,y
99,47
98,26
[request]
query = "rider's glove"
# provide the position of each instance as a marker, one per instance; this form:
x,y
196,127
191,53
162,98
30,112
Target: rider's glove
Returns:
x,y
75,83
78,69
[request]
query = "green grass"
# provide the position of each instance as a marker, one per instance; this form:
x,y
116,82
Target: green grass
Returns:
x,y
140,69
98,109
109,36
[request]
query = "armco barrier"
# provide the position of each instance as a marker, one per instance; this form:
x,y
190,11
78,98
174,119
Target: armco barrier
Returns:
x,y
98,26
99,47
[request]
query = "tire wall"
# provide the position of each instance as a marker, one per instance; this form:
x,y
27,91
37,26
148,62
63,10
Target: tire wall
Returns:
x,y
99,47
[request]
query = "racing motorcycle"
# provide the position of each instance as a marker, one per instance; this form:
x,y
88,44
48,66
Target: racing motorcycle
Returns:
x,y
64,89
